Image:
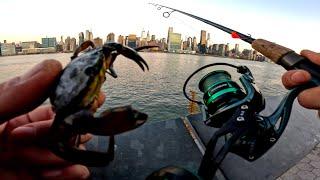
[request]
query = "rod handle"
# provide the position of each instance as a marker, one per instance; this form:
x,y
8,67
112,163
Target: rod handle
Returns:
x,y
287,58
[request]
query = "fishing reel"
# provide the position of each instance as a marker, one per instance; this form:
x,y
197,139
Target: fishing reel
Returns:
x,y
236,112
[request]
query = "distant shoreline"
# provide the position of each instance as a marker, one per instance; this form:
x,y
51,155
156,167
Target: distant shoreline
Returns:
x,y
196,54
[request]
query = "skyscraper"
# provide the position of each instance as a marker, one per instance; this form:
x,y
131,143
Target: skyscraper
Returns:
x,y
143,34
87,35
153,37
132,41
170,30
110,37
81,38
236,48
121,40
73,44
209,40
203,40
194,45
148,36
66,47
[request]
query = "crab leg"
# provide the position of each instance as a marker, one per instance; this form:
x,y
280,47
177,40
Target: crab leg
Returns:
x,y
110,122
82,47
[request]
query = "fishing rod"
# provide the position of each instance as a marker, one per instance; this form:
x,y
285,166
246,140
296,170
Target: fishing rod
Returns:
x,y
281,55
237,113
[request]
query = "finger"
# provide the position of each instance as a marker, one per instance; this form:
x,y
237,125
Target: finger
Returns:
x,y
312,56
295,77
36,132
31,156
41,113
22,94
71,172
307,98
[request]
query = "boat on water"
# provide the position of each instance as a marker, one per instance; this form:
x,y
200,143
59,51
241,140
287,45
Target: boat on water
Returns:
x,y
181,142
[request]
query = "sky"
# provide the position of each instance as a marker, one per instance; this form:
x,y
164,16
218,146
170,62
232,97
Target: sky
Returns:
x,y
291,23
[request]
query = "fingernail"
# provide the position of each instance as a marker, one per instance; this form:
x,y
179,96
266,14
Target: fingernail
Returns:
x,y
53,173
299,77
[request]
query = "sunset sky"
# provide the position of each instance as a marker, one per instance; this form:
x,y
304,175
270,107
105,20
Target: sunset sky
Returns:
x,y
295,23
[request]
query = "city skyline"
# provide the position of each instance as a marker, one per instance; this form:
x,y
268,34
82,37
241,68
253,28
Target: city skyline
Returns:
x,y
290,23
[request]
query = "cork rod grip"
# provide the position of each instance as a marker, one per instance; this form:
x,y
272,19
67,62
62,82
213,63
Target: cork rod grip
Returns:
x,y
271,50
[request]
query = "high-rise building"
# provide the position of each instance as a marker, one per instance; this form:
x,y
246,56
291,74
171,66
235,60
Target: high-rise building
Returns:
x,y
143,34
170,30
148,36
98,42
121,40
73,44
132,41
153,37
174,42
236,48
209,40
81,38
110,37
66,46
222,50
203,40
49,42
89,35
194,45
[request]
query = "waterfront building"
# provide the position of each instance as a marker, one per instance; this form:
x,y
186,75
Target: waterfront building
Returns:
x,y
227,50
132,41
174,44
203,40
48,42
30,44
110,37
8,49
143,34
73,44
66,46
222,50
153,37
81,38
237,51
170,30
189,43
98,42
208,40
121,40
148,36
194,44
89,35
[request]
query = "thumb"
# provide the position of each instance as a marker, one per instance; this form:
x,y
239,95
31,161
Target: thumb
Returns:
x,y
22,94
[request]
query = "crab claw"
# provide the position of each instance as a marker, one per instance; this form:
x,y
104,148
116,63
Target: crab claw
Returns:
x,y
111,122
125,51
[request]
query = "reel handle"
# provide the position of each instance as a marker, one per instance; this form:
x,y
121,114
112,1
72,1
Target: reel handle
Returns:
x,y
287,58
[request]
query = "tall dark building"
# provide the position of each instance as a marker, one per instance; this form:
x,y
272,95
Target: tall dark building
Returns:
x,y
203,42
81,38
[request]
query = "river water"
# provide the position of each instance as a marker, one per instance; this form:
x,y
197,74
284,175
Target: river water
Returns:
x,y
157,92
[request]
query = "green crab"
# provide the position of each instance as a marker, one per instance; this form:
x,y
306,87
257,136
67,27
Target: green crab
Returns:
x,y
72,99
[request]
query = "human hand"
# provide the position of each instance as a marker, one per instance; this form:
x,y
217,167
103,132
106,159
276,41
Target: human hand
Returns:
x,y
309,98
22,154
